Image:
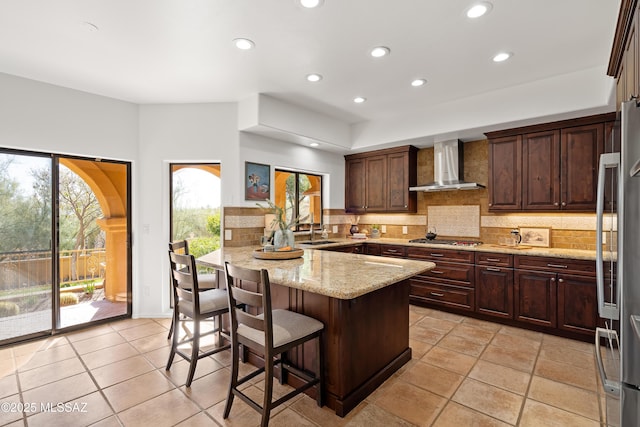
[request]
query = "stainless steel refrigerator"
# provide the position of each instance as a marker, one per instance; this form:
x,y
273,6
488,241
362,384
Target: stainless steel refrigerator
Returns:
x,y
618,247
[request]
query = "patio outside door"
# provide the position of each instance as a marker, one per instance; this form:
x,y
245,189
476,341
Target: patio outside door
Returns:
x,y
64,251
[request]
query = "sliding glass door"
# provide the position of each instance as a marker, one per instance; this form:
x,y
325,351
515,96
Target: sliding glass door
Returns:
x,y
64,252
26,267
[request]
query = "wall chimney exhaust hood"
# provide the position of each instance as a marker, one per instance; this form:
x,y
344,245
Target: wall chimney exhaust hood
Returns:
x,y
448,167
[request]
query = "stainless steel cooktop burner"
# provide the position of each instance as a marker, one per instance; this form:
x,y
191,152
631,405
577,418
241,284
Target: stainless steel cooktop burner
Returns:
x,y
447,242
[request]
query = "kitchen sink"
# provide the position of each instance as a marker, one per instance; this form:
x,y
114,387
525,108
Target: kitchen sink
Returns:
x,y
315,242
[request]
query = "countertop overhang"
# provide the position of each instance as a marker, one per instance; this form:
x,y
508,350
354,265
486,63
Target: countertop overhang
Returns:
x,y
334,274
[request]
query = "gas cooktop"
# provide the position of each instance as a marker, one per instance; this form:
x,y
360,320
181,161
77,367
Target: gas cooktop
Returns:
x,y
447,242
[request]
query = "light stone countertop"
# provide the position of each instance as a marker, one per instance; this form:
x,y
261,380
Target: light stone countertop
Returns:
x,y
524,250
334,274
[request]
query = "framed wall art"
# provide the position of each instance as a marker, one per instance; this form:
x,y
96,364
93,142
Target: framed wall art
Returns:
x,y
257,181
535,236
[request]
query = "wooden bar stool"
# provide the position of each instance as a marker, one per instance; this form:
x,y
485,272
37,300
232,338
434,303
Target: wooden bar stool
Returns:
x,y
206,281
271,333
191,304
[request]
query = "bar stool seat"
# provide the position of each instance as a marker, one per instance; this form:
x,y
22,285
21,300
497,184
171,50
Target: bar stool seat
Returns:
x,y
190,304
270,333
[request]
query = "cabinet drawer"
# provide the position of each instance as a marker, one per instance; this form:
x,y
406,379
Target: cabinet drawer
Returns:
x,y
456,274
448,296
393,251
372,249
498,260
558,265
437,254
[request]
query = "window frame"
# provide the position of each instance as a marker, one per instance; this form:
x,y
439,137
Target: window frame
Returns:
x,y
301,227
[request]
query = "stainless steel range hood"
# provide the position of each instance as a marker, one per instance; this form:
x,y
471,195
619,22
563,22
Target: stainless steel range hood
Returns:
x,y
448,167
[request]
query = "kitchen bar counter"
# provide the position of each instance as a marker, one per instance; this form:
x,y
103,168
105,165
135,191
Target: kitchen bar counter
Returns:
x,y
363,302
523,250
332,274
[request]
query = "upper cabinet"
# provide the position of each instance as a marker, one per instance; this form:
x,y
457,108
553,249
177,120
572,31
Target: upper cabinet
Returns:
x,y
546,167
623,62
379,181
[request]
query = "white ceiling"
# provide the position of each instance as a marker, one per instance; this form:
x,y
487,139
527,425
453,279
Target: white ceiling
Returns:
x,y
177,51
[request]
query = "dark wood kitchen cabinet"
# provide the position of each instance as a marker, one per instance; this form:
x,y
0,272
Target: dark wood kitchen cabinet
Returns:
x,y
625,53
577,304
494,284
559,165
379,181
541,170
556,292
450,284
535,298
505,178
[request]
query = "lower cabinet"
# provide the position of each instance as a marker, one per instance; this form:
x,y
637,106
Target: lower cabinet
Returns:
x,y
449,284
494,291
535,298
556,293
353,249
577,304
494,284
553,294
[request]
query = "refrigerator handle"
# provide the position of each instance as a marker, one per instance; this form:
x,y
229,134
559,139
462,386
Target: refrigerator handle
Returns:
x,y
610,387
607,310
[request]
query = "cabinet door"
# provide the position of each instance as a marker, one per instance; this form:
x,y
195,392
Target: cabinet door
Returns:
x,y
494,291
505,179
399,197
580,151
535,298
577,304
376,184
541,170
355,185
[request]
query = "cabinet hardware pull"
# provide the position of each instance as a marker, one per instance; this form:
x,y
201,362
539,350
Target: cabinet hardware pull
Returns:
x,y
561,280
436,294
437,272
553,279
493,260
437,255
493,269
564,203
555,204
392,250
490,204
556,266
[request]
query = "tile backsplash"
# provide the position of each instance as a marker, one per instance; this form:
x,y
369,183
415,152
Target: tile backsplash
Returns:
x,y
463,214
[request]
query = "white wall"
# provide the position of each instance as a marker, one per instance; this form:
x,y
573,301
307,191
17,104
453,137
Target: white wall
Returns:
x,y
176,133
41,117
279,154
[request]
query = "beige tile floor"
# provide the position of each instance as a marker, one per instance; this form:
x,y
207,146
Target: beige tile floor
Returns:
x,y
464,372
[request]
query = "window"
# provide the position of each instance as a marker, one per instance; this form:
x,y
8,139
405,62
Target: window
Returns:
x,y
300,194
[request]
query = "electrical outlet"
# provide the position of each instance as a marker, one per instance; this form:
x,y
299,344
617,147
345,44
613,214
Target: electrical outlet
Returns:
x,y
228,235
384,228
604,237
405,229
335,228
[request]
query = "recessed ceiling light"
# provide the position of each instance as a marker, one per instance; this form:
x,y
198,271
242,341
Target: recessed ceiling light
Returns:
x,y
88,26
380,51
313,144
418,82
243,44
310,4
314,77
479,9
502,56
359,99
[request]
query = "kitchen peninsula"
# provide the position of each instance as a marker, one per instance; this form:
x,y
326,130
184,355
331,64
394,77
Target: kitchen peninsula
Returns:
x,y
363,302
